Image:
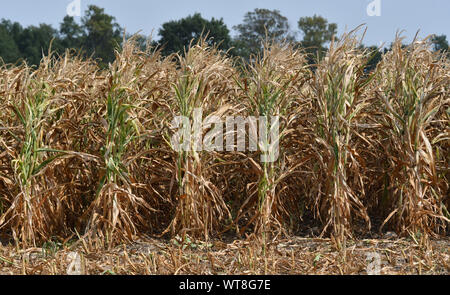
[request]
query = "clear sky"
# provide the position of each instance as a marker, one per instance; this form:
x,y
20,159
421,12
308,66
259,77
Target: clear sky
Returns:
x,y
430,16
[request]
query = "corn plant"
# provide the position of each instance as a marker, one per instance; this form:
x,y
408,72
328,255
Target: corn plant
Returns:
x,y
34,157
269,88
412,92
36,151
337,95
202,88
115,208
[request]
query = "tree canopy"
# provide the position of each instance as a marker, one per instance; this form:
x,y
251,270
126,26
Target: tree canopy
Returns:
x,y
259,25
71,33
101,34
29,43
316,33
176,35
9,51
440,43
98,35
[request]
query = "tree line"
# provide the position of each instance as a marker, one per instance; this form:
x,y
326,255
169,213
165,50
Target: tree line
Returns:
x,y
98,34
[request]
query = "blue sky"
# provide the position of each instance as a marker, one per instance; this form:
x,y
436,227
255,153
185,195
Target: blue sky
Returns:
x,y
430,16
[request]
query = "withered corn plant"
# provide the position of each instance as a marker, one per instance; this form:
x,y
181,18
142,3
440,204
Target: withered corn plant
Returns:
x,y
337,95
115,211
9,79
75,82
413,89
201,92
442,141
29,109
150,162
35,210
268,90
37,152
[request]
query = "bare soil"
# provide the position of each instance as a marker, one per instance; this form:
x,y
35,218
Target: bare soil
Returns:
x,y
296,255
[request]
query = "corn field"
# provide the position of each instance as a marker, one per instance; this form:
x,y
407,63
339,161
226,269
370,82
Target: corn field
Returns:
x,y
85,152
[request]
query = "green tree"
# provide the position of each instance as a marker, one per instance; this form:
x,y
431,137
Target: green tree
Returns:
x,y
30,44
440,43
13,29
71,33
176,35
9,51
98,35
34,42
375,56
102,34
316,33
257,26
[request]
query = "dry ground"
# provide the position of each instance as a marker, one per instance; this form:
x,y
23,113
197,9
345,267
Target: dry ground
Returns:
x,y
289,256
